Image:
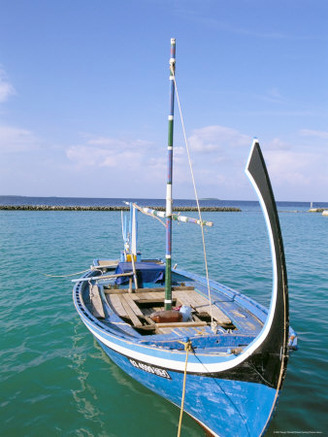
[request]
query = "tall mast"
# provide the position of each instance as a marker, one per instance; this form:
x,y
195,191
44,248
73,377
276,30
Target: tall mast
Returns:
x,y
168,278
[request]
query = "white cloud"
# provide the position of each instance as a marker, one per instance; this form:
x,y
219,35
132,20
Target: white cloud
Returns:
x,y
109,152
314,133
116,144
85,156
290,166
298,169
133,167
219,155
6,89
13,140
277,144
216,138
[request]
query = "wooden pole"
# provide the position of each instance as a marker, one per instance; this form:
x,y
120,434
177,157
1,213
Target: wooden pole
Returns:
x,y
168,274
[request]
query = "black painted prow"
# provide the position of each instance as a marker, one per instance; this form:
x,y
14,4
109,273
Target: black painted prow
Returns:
x,y
268,362
270,359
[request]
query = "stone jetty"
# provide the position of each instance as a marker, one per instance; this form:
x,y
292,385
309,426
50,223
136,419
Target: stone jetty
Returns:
x,y
316,209
109,208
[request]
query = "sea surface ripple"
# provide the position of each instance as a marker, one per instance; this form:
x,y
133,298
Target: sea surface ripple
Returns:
x,y
56,381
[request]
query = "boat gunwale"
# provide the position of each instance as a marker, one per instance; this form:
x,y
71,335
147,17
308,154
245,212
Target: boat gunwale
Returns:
x,y
232,294
137,341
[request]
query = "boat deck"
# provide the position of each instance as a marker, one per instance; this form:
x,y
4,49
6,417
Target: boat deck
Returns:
x,y
136,307
139,306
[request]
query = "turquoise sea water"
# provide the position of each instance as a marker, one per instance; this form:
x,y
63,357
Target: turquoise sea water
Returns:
x,y
56,381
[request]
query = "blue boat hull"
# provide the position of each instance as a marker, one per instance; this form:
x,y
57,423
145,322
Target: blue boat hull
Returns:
x,y
226,404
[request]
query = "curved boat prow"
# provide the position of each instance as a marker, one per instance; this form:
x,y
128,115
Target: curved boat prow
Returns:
x,y
272,351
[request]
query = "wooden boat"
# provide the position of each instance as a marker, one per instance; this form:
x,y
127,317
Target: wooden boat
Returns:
x,y
222,359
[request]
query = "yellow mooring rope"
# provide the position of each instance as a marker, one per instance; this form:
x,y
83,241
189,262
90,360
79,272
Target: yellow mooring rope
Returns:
x,y
188,348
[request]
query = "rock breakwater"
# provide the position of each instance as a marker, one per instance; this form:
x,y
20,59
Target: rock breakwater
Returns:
x,y
109,208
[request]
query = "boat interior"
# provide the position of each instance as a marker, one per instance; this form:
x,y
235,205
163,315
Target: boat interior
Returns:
x,y
121,294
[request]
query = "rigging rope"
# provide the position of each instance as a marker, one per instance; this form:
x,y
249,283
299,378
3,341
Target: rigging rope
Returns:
x,y
147,213
188,348
213,323
64,276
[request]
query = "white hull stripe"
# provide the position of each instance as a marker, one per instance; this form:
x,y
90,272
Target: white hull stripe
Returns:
x,y
146,355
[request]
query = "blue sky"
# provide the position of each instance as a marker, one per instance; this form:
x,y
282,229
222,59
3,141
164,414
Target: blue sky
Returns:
x,y
84,96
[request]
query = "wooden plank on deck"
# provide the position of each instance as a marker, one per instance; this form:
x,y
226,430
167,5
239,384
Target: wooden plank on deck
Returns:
x,y
107,263
201,304
96,302
218,315
115,302
131,314
132,304
180,324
